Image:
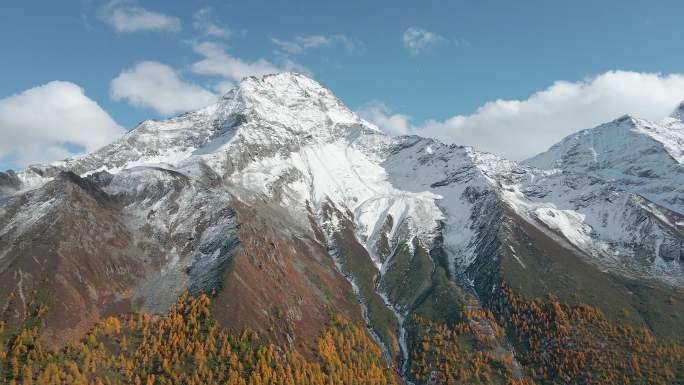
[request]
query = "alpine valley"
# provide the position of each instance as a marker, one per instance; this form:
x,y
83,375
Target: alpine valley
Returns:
x,y
276,237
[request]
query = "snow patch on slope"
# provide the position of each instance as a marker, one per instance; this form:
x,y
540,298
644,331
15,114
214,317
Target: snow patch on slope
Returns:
x,y
344,175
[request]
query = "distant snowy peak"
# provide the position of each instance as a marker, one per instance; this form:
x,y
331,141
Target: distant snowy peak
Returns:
x,y
592,148
637,155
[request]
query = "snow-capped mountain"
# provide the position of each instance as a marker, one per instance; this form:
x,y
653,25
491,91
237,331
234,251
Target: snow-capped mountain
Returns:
x,y
637,155
282,198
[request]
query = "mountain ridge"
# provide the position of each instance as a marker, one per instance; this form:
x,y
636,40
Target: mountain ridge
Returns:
x,y
286,203
652,167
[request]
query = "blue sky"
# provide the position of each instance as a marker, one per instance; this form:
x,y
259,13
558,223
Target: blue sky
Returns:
x,y
408,66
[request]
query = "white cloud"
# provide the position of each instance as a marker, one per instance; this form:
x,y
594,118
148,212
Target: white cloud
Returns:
x,y
417,40
379,113
223,86
216,61
48,122
300,44
204,24
158,86
125,16
518,129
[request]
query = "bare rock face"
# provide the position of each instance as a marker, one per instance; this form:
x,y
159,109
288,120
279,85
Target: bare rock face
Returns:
x,y
290,208
281,282
64,245
9,183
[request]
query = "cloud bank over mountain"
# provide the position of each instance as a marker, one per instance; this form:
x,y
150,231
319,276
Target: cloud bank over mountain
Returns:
x,y
51,122
518,129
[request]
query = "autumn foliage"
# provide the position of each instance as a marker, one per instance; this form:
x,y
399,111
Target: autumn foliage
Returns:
x,y
187,347
561,344
454,354
552,342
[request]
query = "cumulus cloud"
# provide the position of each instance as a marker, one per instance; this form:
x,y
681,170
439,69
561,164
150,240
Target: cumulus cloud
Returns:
x,y
217,62
223,86
518,129
380,114
158,86
300,44
203,23
125,17
417,40
51,122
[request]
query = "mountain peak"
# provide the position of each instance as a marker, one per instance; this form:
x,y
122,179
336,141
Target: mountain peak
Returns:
x,y
289,100
283,81
277,83
637,154
264,115
624,118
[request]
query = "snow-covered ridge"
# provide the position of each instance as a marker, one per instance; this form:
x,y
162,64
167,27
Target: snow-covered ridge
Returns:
x,y
287,140
284,108
637,155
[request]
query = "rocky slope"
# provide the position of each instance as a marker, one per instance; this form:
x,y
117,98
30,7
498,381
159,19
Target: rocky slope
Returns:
x,y
289,205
